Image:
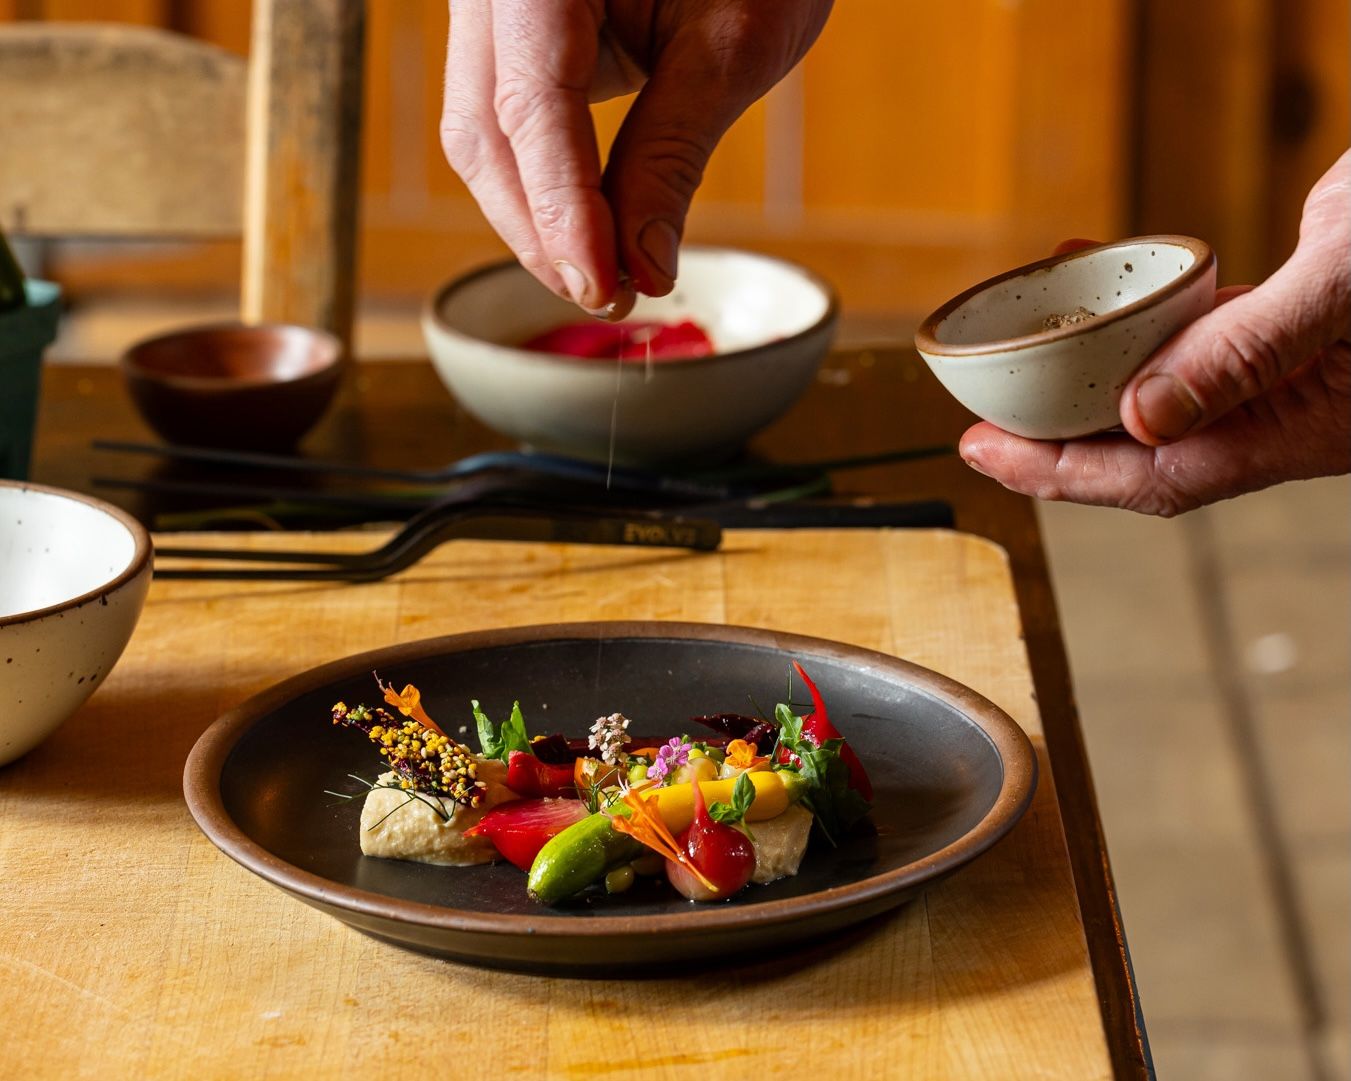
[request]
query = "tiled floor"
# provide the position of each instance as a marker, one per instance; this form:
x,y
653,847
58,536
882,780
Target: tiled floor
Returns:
x,y
1211,666
1210,656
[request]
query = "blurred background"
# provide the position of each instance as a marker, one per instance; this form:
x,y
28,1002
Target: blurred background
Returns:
x,y
919,148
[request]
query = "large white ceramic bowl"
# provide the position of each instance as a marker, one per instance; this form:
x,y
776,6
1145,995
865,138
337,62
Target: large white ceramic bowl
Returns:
x,y
771,323
73,576
988,347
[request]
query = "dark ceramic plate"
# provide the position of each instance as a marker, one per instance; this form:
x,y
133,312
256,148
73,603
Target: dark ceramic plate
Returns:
x,y
952,774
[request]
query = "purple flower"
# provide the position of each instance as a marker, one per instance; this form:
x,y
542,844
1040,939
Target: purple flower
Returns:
x,y
674,752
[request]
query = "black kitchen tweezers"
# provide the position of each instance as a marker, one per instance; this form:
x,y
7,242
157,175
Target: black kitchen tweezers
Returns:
x,y
435,526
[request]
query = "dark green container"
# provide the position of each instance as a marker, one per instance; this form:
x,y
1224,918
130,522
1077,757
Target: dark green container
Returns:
x,y
24,334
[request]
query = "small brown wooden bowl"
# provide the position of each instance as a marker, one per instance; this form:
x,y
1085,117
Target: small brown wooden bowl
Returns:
x,y
232,385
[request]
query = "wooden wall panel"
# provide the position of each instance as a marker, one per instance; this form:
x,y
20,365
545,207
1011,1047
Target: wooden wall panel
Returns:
x,y
1312,110
1071,145
904,114
142,12
226,25
1204,153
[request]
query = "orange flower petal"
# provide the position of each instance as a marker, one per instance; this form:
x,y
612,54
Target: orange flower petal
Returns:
x,y
409,703
645,825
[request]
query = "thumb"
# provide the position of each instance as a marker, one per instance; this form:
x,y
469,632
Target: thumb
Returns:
x,y
1245,347
658,158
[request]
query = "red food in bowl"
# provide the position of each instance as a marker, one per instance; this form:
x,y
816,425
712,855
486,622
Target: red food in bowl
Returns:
x,y
589,338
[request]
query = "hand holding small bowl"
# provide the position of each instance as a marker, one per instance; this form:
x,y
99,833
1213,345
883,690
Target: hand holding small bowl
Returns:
x,y
1254,393
1045,350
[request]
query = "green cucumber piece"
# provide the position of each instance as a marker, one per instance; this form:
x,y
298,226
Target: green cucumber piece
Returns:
x,y
577,857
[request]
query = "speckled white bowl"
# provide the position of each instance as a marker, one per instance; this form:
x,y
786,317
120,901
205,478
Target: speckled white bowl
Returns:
x,y
73,576
988,348
771,323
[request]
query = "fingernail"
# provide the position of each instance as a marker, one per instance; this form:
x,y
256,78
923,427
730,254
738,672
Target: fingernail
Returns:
x,y
661,243
1166,407
976,466
574,281
619,306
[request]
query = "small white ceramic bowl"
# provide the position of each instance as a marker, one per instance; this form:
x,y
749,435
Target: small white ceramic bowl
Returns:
x,y
771,323
73,576
988,347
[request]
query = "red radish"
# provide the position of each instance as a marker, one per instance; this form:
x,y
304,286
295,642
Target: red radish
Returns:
x,y
723,854
528,776
520,828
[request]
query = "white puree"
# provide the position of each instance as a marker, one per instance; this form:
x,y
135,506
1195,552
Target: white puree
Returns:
x,y
780,843
412,830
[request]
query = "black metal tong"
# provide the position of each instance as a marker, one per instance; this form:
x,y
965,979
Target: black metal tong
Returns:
x,y
436,525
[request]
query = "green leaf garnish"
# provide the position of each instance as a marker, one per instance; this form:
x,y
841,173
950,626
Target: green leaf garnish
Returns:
x,y
499,743
834,804
743,795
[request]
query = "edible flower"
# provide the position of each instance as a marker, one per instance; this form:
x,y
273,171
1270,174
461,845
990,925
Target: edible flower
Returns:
x,y
609,735
408,702
741,754
645,825
674,752
425,760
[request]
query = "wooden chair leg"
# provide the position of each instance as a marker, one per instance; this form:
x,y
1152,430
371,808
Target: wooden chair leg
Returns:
x,y
302,159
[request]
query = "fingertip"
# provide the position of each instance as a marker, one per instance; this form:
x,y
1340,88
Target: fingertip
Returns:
x,y
577,284
979,446
620,304
1129,408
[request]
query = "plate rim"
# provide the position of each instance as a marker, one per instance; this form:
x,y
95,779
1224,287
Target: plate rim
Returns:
x,y
205,763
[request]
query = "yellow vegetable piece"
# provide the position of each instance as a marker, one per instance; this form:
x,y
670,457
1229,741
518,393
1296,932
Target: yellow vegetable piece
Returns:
x,y
773,793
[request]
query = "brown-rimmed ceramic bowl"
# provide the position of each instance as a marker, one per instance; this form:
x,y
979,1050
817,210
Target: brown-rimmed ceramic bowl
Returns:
x,y
952,774
990,348
771,323
259,387
74,572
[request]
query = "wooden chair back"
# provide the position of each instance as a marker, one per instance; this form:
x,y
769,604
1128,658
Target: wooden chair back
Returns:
x,y
114,131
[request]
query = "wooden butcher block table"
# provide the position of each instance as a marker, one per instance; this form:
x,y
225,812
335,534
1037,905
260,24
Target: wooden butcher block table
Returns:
x,y
131,946
141,949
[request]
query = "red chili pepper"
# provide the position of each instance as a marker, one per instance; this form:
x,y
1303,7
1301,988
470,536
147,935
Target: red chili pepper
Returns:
x,y
817,727
528,776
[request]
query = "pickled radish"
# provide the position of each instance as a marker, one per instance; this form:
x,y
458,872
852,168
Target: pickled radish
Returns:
x,y
721,853
624,341
520,828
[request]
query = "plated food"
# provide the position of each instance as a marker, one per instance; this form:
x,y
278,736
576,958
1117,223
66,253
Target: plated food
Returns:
x,y
951,774
599,813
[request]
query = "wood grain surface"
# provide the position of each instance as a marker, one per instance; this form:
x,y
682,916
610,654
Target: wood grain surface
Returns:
x,y
134,948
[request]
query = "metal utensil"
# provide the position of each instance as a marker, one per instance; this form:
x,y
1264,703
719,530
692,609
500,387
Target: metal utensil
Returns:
x,y
435,526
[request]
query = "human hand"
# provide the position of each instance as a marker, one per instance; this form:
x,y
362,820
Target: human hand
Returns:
x,y
515,124
1252,394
